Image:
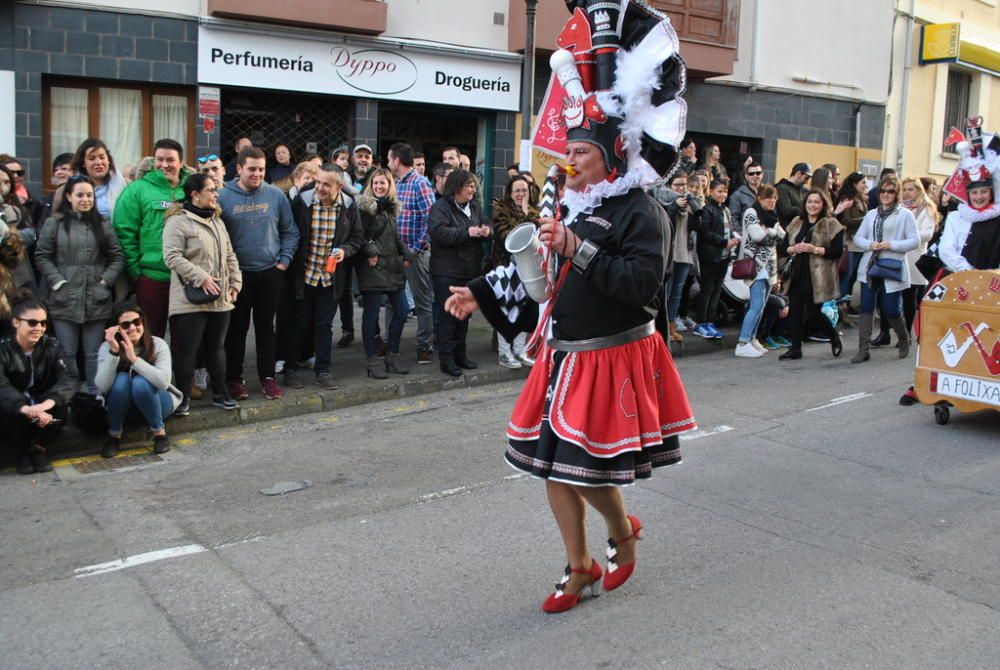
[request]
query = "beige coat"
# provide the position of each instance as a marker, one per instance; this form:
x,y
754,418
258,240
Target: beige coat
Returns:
x,y
822,271
191,251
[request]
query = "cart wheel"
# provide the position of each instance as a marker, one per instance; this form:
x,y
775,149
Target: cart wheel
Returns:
x,y
941,415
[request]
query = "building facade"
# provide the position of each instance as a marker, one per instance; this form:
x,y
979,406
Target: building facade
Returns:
x,y
314,76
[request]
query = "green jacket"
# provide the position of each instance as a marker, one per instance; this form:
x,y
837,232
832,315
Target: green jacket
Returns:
x,y
138,222
789,201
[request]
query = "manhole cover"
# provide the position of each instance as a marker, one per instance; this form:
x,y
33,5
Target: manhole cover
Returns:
x,y
117,463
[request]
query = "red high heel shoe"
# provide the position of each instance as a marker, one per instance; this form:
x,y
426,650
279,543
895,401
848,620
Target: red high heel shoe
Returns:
x,y
560,601
619,574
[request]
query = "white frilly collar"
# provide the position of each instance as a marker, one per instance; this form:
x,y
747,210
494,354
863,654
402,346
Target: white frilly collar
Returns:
x,y
585,202
974,215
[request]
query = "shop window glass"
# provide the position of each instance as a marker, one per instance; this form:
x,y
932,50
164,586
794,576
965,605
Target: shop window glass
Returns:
x,y
170,117
69,119
956,105
121,123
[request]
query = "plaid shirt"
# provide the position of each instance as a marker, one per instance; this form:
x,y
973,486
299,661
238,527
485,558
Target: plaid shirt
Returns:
x,y
322,228
416,196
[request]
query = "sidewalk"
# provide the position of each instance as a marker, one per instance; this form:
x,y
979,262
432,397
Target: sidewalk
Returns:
x,y
356,388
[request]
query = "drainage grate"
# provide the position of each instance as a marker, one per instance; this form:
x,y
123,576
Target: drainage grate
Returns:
x,y
117,463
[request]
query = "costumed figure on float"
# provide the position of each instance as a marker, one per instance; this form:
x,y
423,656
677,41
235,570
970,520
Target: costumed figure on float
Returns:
x,y
604,404
958,359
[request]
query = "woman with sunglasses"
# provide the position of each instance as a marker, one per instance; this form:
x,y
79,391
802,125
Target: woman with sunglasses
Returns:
x,y
79,256
133,372
197,249
35,385
886,234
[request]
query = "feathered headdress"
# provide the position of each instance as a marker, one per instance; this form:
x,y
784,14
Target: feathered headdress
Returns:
x,y
979,160
617,81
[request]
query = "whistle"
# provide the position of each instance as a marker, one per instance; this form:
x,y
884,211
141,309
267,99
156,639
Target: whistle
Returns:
x,y
567,170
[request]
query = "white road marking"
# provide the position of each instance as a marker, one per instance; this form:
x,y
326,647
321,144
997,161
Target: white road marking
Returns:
x,y
698,434
447,493
138,559
841,401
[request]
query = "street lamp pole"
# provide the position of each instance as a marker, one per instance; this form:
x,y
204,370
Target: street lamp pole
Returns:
x,y
527,83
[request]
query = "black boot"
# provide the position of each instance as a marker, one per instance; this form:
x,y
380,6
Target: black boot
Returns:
x,y
448,365
462,361
111,446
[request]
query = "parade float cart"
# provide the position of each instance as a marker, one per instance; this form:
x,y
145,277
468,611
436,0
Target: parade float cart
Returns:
x,y
958,352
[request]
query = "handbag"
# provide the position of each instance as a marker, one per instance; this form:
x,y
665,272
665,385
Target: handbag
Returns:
x,y
885,268
745,267
195,294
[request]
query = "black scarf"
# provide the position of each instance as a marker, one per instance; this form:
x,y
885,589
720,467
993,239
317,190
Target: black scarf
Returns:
x,y
199,211
767,218
880,218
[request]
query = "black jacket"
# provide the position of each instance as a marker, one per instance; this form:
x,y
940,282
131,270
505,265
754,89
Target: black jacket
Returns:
x,y
52,379
381,240
713,232
454,252
347,236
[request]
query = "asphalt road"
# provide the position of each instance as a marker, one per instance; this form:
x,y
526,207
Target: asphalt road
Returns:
x,y
814,523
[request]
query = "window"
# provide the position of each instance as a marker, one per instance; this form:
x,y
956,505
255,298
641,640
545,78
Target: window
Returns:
x,y
128,118
956,104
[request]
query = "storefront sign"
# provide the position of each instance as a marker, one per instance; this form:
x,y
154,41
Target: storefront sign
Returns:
x,y
940,43
338,67
209,102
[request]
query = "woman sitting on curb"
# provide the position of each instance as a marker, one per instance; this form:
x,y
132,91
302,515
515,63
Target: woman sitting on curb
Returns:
x,y
133,374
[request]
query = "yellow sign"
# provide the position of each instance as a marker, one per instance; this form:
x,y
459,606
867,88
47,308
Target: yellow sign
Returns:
x,y
939,42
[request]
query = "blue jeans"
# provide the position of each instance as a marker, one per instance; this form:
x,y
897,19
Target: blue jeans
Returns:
x,y
759,290
675,288
69,335
134,391
872,290
369,318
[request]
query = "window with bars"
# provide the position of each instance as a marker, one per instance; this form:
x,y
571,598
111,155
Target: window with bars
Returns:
x,y
956,105
128,118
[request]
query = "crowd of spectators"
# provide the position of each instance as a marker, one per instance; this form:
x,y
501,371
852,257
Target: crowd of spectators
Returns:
x,y
131,292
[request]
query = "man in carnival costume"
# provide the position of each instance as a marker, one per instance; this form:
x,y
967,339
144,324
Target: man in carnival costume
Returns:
x,y
970,239
604,404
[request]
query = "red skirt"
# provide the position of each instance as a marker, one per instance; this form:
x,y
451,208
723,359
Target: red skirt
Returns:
x,y
598,418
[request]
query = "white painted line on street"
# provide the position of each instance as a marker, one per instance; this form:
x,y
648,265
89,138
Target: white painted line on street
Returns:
x,y
841,401
447,493
698,434
139,559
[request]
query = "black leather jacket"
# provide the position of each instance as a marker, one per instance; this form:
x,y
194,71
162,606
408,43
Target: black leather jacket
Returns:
x,y
715,228
52,379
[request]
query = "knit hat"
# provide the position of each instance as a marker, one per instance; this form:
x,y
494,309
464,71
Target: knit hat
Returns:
x,y
619,77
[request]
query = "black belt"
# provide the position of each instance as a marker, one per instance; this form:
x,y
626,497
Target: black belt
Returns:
x,y
606,342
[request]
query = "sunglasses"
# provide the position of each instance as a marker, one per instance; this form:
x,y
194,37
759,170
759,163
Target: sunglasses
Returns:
x,y
887,190
125,325
210,157
755,173
17,173
35,323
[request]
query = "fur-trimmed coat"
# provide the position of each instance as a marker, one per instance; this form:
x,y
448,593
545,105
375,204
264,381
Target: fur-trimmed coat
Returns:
x,y
381,240
829,234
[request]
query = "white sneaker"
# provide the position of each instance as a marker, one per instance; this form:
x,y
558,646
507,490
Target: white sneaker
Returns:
x,y
508,361
526,360
747,350
680,325
201,379
689,323
758,346
279,366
